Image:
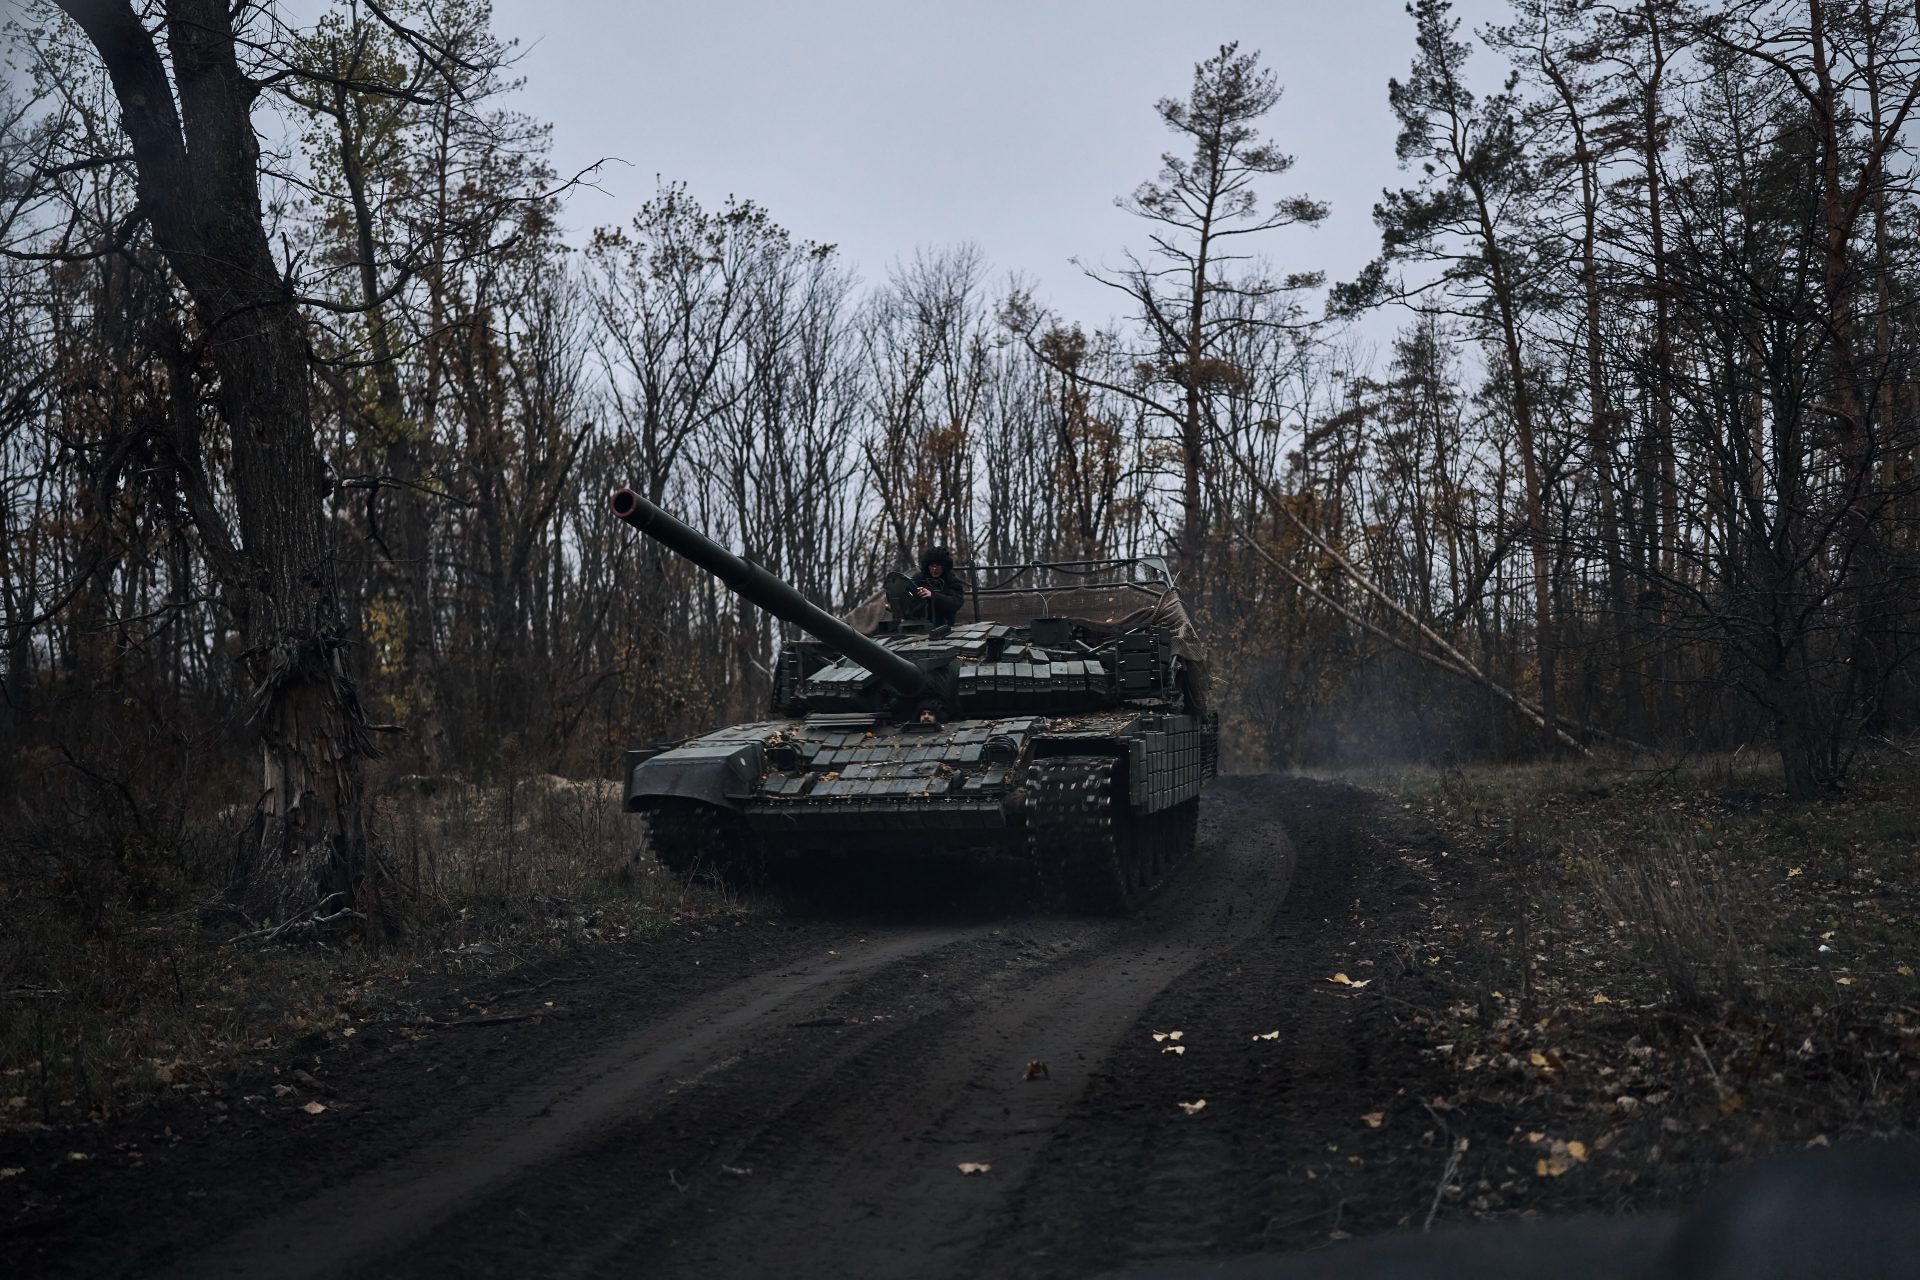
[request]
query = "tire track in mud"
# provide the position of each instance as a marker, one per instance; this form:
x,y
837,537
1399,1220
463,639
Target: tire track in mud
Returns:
x,y
835,1150
1282,1151
390,1206
811,1121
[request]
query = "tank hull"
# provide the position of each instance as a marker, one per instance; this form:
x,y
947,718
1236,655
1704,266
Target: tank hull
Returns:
x,y
824,781
1058,793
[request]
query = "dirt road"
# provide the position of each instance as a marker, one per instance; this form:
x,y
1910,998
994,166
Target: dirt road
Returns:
x,y
798,1099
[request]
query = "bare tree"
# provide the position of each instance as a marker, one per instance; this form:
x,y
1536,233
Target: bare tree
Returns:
x,y
926,341
1468,216
198,169
1195,290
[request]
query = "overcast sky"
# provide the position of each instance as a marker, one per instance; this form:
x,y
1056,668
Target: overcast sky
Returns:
x,y
882,127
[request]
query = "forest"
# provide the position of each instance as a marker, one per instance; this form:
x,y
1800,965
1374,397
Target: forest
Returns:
x,y
307,447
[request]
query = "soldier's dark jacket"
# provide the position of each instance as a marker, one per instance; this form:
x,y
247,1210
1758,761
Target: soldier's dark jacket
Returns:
x,y
948,594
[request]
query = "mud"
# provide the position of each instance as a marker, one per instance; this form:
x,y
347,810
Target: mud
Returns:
x,y
796,1098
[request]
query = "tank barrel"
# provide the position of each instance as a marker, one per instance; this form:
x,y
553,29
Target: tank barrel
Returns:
x,y
749,581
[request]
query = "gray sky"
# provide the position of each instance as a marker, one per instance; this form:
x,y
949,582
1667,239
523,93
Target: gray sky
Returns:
x,y
885,126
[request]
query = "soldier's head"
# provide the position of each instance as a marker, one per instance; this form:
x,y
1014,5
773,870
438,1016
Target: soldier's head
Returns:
x,y
936,561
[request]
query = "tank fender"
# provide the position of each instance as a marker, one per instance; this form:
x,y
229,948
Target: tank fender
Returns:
x,y
718,773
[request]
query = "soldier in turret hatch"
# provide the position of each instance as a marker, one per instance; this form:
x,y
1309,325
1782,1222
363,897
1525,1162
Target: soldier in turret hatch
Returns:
x,y
937,587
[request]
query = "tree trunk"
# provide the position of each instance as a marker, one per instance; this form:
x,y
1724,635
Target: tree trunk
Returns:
x,y
1661,508
1600,417
199,187
1192,445
397,439
1533,483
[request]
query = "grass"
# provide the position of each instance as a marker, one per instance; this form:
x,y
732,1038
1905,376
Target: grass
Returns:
x,y
1672,968
121,978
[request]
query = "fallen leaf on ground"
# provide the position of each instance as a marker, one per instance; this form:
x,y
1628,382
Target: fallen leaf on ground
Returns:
x,y
314,1108
1904,970
78,1155
1560,1157
1271,1035
1845,982
282,1090
1374,1118
1551,1065
1343,980
1158,1036
171,1072
971,1167
1600,999
1191,1107
11,1172
1536,1137
1173,1048
1792,872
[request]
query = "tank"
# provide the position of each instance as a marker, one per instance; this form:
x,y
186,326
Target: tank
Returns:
x,y
1057,726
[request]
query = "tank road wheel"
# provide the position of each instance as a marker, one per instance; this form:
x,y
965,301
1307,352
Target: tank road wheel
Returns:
x,y
1088,857
701,842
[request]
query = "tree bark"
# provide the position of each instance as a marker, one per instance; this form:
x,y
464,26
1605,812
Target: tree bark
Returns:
x,y
199,188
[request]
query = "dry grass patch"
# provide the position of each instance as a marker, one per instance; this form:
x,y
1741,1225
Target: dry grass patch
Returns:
x,y
117,984
1670,969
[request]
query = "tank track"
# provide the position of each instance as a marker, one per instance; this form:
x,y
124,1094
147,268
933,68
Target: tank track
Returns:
x,y
701,842
1092,855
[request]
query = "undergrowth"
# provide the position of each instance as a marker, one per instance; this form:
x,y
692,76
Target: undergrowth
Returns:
x,y
124,972
1651,972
